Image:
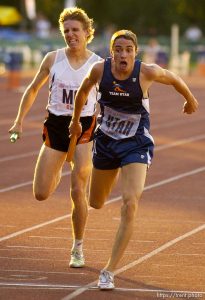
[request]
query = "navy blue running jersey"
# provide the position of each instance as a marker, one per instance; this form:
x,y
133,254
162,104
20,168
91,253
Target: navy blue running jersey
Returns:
x,y
124,112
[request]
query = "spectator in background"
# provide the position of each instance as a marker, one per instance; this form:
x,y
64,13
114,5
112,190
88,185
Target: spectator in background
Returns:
x,y
154,53
151,51
193,34
13,61
43,27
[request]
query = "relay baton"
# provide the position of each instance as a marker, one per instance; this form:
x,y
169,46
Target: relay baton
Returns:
x,y
14,137
71,148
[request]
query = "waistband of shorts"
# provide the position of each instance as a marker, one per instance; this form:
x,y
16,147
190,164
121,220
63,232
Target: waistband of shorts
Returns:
x,y
51,115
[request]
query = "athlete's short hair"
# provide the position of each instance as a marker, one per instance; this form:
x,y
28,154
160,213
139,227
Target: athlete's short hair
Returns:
x,y
126,34
78,14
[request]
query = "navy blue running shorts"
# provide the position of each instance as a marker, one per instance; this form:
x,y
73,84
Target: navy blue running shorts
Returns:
x,y
109,153
56,133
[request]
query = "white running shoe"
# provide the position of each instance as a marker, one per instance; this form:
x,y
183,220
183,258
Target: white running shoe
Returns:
x,y
77,259
106,280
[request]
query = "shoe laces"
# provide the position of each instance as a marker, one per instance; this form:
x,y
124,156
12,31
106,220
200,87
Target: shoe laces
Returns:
x,y
77,254
106,276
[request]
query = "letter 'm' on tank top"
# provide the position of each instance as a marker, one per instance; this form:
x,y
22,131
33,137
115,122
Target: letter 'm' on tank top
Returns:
x,y
64,81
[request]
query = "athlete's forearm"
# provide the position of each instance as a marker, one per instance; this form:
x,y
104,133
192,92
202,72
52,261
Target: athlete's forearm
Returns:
x,y
80,100
82,96
26,104
181,87
190,104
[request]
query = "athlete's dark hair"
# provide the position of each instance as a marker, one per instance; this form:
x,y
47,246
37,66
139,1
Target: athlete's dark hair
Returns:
x,y
126,34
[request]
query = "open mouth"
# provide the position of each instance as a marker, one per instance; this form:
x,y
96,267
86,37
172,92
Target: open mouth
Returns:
x,y
123,64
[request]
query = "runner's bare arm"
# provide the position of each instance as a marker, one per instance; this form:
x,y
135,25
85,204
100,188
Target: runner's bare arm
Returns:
x,y
92,78
155,73
31,92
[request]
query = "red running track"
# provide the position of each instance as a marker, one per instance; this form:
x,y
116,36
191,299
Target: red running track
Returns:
x,y
165,257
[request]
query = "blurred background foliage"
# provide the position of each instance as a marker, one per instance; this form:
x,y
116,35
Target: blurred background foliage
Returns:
x,y
149,19
144,17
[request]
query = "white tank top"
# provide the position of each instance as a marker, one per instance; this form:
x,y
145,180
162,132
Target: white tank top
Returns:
x,y
64,82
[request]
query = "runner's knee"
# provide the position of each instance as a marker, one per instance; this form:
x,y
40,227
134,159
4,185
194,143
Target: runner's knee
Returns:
x,y
40,196
128,209
80,175
79,184
96,203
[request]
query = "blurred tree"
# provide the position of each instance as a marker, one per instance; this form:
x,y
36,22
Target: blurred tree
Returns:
x,y
145,17
15,3
51,9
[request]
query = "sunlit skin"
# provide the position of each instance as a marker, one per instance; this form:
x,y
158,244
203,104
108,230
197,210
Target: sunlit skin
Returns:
x,y
51,160
75,35
76,39
123,53
133,175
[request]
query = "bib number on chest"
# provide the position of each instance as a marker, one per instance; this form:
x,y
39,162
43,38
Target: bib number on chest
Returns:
x,y
119,125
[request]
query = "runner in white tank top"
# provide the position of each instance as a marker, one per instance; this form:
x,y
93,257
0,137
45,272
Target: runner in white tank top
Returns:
x,y
65,69
64,82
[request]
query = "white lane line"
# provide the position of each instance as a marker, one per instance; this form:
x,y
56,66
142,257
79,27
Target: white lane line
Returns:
x,y
64,238
14,234
161,221
21,247
87,229
28,119
174,123
40,285
154,127
16,186
157,148
43,272
26,134
33,249
177,177
180,142
167,293
163,247
49,237
32,259
18,156
23,184
138,261
157,184
23,278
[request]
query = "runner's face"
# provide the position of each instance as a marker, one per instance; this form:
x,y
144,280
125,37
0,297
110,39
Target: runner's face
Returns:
x,y
123,53
75,35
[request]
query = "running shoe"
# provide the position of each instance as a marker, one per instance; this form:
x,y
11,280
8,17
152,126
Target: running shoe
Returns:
x,y
77,259
106,280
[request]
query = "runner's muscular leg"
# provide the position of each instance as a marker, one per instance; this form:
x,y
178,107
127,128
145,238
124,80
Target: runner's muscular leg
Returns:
x,y
133,180
101,184
80,174
47,172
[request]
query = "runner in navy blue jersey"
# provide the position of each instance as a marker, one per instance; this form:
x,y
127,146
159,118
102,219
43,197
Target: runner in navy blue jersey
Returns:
x,y
122,138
